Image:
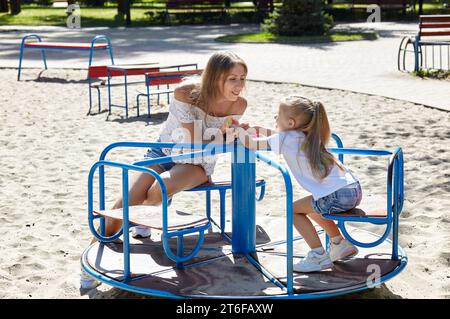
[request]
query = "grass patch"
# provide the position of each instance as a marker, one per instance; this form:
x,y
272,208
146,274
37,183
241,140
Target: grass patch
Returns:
x,y
264,37
32,15
90,17
433,74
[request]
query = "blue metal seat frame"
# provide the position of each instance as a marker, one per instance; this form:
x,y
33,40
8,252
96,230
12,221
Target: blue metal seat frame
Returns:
x,y
394,201
91,49
395,197
179,258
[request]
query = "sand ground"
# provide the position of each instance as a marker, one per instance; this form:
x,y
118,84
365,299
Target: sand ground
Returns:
x,y
48,145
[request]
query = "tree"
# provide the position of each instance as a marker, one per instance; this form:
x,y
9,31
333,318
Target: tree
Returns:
x,y
14,6
264,5
121,7
299,17
4,6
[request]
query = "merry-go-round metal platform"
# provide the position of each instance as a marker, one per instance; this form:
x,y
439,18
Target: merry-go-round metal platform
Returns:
x,y
245,255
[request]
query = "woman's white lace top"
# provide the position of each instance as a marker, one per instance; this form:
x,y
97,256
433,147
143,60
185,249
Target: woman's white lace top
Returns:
x,y
173,132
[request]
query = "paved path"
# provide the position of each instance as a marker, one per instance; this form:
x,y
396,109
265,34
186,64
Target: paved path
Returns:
x,y
361,66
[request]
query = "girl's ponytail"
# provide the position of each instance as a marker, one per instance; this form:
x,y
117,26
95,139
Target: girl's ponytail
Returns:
x,y
318,134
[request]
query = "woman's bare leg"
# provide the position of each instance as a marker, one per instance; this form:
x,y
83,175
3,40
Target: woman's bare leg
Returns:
x,y
144,190
140,183
178,179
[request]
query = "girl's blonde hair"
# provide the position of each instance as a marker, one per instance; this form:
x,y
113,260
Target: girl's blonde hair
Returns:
x,y
213,79
313,122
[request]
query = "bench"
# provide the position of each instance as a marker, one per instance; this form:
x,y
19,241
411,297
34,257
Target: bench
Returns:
x,y
98,78
63,46
163,78
194,6
385,4
434,32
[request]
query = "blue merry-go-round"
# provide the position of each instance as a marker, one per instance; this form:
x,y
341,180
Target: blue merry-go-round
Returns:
x,y
194,256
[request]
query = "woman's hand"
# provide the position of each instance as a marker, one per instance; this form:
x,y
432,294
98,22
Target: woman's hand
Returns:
x,y
231,134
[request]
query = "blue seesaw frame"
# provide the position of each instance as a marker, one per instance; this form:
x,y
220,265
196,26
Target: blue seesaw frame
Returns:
x,y
62,47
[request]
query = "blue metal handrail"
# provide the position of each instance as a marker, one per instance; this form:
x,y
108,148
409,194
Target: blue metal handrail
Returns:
x,y
22,45
207,149
394,202
109,47
289,218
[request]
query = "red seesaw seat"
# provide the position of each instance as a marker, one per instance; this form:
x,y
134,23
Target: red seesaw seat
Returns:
x,y
66,45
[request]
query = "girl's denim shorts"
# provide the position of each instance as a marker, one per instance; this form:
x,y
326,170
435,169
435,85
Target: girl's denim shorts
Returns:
x,y
340,201
156,152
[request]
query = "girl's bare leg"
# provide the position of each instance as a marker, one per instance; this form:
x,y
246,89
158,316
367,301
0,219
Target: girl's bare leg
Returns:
x,y
304,226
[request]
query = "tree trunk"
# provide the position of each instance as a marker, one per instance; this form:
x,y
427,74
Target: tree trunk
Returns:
x,y
263,5
121,7
128,12
14,6
420,7
4,6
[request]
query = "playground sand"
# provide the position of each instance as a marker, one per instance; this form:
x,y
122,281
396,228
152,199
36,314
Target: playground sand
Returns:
x,y
48,145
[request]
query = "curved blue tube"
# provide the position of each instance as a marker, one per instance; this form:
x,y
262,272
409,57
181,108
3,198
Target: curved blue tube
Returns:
x,y
289,219
22,46
108,41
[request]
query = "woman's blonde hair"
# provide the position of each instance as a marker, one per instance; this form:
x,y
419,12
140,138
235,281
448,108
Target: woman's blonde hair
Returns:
x,y
313,122
213,78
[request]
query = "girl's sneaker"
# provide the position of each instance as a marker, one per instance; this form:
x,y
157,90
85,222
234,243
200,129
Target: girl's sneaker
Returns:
x,y
87,282
140,232
341,250
313,262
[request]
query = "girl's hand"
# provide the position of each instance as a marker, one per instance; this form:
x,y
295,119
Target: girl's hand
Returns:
x,y
245,126
230,135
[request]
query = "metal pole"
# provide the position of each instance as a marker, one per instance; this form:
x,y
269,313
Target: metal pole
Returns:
x,y
243,172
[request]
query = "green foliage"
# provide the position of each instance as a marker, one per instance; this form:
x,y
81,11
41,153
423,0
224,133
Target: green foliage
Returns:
x,y
92,3
299,17
261,37
433,74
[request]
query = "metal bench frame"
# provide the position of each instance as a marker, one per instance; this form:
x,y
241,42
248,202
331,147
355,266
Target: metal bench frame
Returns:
x,y
439,26
91,48
164,78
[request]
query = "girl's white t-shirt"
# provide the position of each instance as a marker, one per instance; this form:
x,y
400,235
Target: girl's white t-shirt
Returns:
x,y
288,144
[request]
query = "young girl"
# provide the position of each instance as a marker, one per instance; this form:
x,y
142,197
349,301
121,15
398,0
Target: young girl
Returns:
x,y
202,106
303,133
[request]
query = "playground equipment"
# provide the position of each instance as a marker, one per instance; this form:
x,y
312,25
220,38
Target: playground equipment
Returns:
x,y
250,261
64,46
153,79
152,74
430,46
